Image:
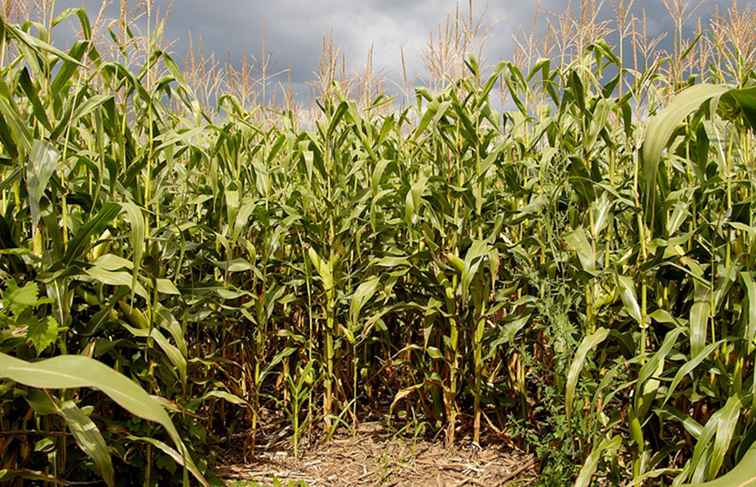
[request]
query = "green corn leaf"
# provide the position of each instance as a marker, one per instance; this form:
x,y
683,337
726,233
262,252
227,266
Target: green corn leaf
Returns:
x,y
60,83
89,439
430,113
679,215
110,262
116,279
600,214
43,161
171,452
578,241
699,317
75,371
336,118
750,285
630,298
286,352
661,127
689,366
36,43
81,14
32,93
745,100
473,259
691,425
743,475
323,267
16,135
707,458
507,332
725,431
94,227
647,386
226,396
361,296
589,342
137,234
607,445
171,352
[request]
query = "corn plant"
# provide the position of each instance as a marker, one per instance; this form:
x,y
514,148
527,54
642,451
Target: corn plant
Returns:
x,y
571,271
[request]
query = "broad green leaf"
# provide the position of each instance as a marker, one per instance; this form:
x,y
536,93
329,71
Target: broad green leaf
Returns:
x,y
226,396
94,227
42,332
89,439
166,286
743,475
473,259
176,456
36,43
750,285
600,214
661,127
727,424
699,317
277,359
117,278
630,298
361,296
43,161
506,334
323,267
691,425
647,386
689,366
578,241
18,299
111,262
707,458
137,237
41,402
745,99
75,371
171,352
679,214
607,445
589,342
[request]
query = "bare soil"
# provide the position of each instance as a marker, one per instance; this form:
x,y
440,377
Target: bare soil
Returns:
x,y
374,457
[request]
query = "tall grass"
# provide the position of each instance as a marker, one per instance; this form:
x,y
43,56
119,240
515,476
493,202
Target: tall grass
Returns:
x,y
573,275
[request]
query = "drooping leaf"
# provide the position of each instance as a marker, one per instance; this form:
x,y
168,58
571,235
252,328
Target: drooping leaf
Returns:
x,y
743,475
661,127
630,298
591,463
589,342
89,439
578,241
699,317
361,296
94,227
43,161
75,371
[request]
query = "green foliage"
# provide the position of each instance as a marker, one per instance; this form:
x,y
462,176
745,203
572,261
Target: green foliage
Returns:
x,y
570,274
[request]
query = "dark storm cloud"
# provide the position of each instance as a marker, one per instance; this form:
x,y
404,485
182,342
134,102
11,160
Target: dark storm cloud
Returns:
x,y
292,30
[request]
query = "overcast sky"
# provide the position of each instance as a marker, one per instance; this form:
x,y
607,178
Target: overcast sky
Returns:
x,y
293,29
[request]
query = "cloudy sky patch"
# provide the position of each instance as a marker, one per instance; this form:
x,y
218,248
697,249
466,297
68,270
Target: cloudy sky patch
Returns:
x,y
293,29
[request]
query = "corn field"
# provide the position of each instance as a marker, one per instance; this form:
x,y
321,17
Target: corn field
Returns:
x,y
572,270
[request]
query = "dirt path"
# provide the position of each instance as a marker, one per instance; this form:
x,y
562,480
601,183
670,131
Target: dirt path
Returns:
x,y
375,458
